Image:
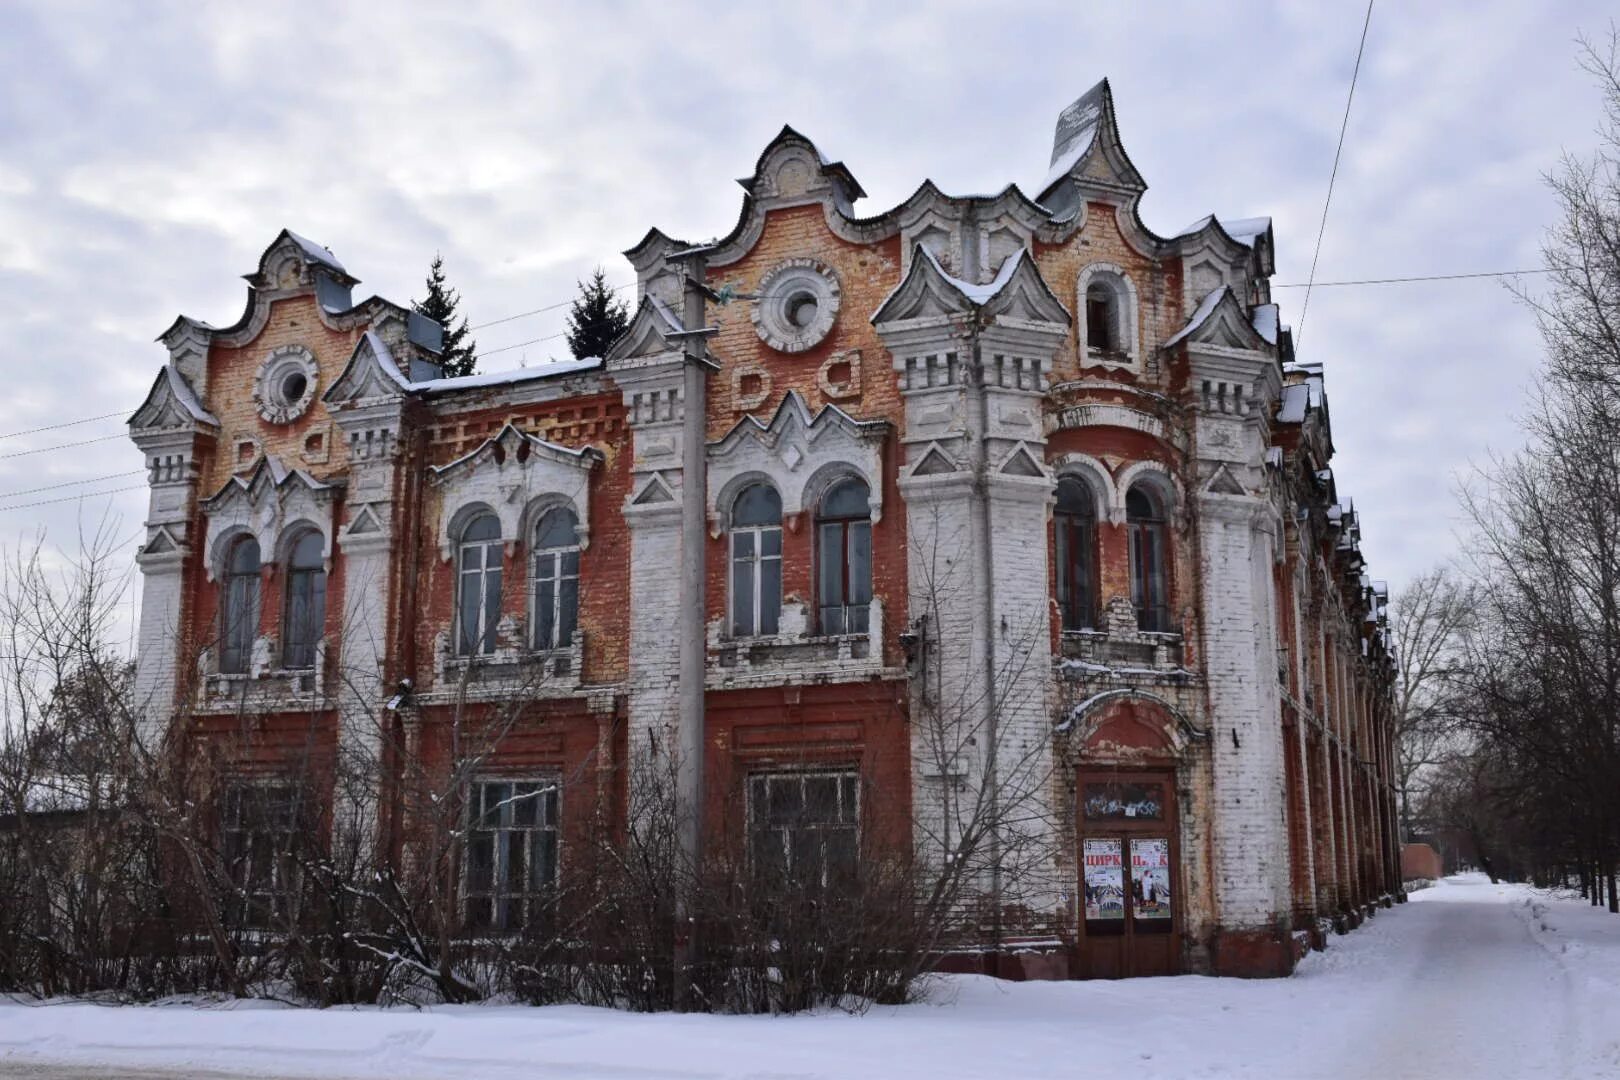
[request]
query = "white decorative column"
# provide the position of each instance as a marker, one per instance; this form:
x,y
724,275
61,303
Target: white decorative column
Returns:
x,y
169,428
972,372
367,403
1237,380
649,371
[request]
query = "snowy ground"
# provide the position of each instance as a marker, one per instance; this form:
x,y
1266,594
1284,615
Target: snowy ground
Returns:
x,y
1468,980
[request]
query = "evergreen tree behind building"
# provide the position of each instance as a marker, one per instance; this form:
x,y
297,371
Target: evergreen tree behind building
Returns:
x,y
441,306
596,319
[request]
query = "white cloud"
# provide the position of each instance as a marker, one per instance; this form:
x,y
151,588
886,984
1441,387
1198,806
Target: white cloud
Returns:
x,y
146,157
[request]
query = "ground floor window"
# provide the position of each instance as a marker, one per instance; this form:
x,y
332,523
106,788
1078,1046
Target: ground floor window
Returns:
x,y
803,826
511,851
259,829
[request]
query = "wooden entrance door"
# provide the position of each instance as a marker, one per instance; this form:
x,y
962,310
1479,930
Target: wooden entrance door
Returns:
x,y
1129,862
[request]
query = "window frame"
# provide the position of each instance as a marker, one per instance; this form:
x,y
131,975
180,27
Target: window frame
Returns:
x,y
846,780
466,648
298,650
758,536
241,606
837,554
545,633
1149,560
256,907
530,900
1123,347
1074,533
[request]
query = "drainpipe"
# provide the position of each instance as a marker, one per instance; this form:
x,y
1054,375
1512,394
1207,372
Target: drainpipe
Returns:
x,y
690,737
982,531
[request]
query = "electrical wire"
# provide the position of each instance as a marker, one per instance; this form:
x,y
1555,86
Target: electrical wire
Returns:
x,y
74,498
1406,280
63,424
1344,124
541,310
70,483
62,446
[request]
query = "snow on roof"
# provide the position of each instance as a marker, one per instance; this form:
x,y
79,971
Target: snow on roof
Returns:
x,y
507,378
1243,230
318,252
1265,319
187,396
1206,308
1076,131
385,359
1291,410
979,295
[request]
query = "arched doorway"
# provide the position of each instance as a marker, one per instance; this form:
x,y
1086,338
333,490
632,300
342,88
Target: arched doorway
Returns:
x,y
1127,830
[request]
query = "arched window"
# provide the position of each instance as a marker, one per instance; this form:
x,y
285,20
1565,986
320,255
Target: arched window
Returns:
x,y
1150,593
1075,523
478,593
844,559
556,579
239,608
756,561
305,614
1102,318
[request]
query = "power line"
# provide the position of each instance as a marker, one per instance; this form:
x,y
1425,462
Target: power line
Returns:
x,y
74,498
63,446
69,483
1405,280
542,310
1334,175
65,423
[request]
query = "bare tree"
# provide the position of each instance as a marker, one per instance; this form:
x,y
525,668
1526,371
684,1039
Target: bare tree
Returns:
x,y
1428,618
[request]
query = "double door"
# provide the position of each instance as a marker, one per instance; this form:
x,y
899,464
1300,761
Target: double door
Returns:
x,y
1128,870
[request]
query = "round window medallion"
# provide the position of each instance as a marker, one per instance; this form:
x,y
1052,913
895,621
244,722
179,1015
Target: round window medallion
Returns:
x,y
285,386
798,302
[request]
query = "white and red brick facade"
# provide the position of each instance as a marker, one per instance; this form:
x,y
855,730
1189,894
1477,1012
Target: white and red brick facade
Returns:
x,y
941,354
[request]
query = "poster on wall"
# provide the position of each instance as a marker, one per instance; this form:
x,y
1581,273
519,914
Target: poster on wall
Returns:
x,y
1105,879
1150,877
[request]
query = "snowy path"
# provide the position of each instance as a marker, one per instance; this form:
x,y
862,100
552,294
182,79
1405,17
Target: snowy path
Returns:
x,y
1469,979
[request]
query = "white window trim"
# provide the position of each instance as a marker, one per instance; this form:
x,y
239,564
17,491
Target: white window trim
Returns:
x,y
1129,317
800,776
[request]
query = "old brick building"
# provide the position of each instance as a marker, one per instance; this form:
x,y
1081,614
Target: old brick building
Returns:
x,y
1002,494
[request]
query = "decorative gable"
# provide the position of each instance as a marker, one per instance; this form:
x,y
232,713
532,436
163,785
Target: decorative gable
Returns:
x,y
647,335
170,406
799,454
371,376
515,476
1221,324
266,503
1088,156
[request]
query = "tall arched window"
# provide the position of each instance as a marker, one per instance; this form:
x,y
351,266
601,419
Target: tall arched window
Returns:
x,y
556,579
1102,318
844,559
478,593
756,561
305,614
1075,523
1150,592
239,607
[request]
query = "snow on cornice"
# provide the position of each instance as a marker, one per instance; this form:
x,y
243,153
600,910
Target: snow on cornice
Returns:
x,y
318,252
1206,308
486,379
1243,230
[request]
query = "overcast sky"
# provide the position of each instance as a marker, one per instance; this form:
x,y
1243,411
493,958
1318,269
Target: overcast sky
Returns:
x,y
148,153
